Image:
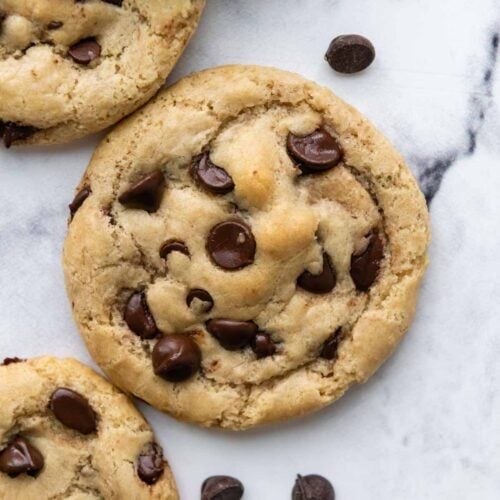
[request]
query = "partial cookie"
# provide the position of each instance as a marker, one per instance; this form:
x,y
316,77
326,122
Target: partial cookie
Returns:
x,y
70,68
66,433
244,249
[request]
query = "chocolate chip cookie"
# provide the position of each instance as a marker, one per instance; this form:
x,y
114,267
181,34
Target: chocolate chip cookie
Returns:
x,y
67,433
73,67
244,249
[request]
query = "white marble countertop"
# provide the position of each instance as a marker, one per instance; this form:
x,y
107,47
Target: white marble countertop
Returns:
x,y
427,426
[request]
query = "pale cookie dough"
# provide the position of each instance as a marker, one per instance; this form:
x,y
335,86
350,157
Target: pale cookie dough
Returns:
x,y
66,433
70,68
244,249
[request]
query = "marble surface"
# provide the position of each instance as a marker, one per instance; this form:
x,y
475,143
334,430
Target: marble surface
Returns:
x,y
427,426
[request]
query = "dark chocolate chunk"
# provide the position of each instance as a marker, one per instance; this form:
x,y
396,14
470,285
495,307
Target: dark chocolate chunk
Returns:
x,y
54,25
150,464
73,410
213,178
350,53
78,200
176,358
12,132
138,316
221,488
263,345
324,282
114,2
232,334
203,295
173,246
145,194
331,345
10,361
21,457
366,265
85,51
312,487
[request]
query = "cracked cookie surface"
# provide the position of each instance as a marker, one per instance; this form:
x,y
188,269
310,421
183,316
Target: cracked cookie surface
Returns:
x,y
244,249
66,433
70,68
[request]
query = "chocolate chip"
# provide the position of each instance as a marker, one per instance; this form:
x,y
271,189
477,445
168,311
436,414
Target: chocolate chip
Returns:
x,y
201,295
146,194
221,488
139,318
315,152
323,282
173,246
350,53
54,25
85,51
12,132
73,410
10,361
331,345
114,2
176,358
312,487
231,245
366,265
213,178
78,200
150,464
232,334
263,345
21,457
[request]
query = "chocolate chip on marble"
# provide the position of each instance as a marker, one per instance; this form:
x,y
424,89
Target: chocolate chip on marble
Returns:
x,y
221,488
173,246
12,132
315,152
312,487
21,457
176,358
232,334
73,410
54,25
138,316
324,282
10,361
203,296
208,175
331,345
263,345
350,53
145,194
78,200
85,51
150,464
231,245
365,266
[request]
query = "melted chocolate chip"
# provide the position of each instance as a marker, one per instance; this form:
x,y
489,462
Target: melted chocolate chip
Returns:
x,y
21,457
10,361
139,318
73,410
213,178
221,488
54,25
263,345
231,245
146,194
331,345
312,487
12,132
150,464
366,265
315,152
201,295
85,51
78,200
232,334
323,282
350,53
173,246
176,358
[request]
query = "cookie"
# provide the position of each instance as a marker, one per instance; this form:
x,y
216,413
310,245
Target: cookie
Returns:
x,y
71,68
67,433
244,249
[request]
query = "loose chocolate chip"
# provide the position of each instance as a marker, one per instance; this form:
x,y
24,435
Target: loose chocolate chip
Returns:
x,y
78,200
203,296
232,334
323,282
263,345
85,51
231,245
10,361
173,246
54,25
350,53
150,464
221,488
12,132
146,194
138,316
366,265
315,152
21,457
73,410
213,178
176,358
312,487
331,345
